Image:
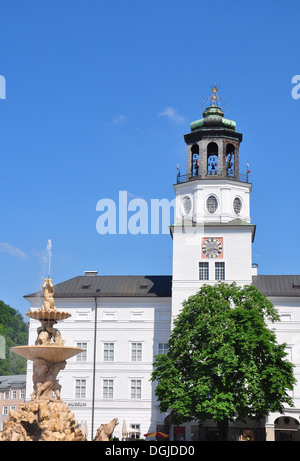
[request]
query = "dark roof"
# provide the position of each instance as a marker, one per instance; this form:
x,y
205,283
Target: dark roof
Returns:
x,y
14,381
113,286
157,286
278,285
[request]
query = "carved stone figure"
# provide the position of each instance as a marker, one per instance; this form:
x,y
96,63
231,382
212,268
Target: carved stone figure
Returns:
x,y
46,333
105,431
44,379
48,305
44,337
55,334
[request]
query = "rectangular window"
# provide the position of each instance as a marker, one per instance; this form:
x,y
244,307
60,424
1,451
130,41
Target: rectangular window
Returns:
x,y
80,388
288,351
203,271
136,388
109,352
22,394
136,352
108,388
14,394
6,395
162,348
136,431
220,271
5,411
285,317
82,356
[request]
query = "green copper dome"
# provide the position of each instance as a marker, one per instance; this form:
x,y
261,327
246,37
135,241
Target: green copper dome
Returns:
x,y
213,117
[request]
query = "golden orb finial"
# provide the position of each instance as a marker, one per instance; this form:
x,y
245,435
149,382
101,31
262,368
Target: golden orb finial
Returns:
x,y
214,97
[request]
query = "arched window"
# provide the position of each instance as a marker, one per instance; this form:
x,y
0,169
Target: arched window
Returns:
x,y
212,159
229,160
286,428
195,160
237,205
212,204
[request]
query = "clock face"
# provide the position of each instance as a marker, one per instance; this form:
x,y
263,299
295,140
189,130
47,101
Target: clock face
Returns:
x,y
212,247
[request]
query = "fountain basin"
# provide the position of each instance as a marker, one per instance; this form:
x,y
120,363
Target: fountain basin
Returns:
x,y
50,353
48,315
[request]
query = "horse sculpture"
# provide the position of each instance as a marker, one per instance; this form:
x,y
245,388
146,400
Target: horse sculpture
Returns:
x,y
105,431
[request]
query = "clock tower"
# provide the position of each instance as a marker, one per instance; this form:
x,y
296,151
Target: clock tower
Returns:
x,y
212,232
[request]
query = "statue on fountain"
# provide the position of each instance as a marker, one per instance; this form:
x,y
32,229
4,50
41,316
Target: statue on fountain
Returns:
x,y
46,333
48,289
105,431
44,379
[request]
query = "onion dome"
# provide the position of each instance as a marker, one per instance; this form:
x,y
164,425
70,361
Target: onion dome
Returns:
x,y
213,117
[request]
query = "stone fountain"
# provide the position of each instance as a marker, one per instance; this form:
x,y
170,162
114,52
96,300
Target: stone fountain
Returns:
x,y
45,417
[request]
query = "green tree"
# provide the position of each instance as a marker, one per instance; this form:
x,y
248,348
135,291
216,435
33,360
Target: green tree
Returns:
x,y
223,361
14,330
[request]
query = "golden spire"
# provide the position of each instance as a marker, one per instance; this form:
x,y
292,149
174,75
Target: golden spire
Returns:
x,y
214,97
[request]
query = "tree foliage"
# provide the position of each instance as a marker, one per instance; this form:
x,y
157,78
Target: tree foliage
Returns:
x,y
14,330
223,361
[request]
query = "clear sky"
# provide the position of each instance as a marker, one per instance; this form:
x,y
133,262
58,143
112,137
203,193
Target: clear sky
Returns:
x,y
98,97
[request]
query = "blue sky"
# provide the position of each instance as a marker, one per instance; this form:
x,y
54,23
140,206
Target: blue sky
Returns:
x,y
98,98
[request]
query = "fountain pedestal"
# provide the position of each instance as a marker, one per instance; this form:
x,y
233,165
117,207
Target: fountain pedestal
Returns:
x,y
45,417
42,420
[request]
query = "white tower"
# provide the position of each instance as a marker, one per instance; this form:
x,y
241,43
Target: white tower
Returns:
x,y
212,233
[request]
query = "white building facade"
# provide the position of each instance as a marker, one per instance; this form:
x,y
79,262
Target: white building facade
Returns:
x,y
123,322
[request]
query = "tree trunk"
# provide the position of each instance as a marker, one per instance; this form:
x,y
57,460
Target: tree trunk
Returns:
x,y
222,426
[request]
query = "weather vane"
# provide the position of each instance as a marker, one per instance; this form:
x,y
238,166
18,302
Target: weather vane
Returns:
x,y
214,99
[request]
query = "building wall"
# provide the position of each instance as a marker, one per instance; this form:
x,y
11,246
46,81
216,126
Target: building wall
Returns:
x,y
288,331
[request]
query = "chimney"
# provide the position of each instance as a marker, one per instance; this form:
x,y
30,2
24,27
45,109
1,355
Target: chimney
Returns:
x,y
90,273
254,269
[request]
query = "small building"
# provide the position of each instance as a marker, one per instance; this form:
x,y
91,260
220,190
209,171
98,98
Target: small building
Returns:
x,y
12,393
